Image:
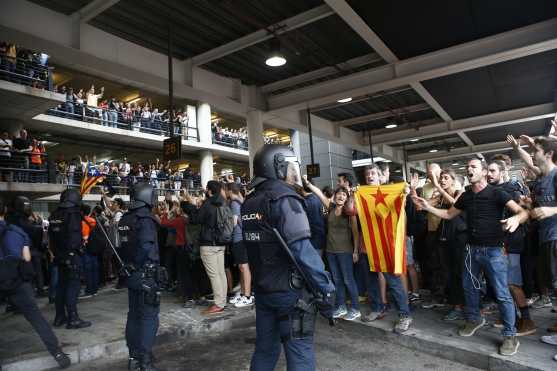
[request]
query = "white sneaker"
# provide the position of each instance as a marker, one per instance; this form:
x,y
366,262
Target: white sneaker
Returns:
x,y
235,299
544,302
244,301
549,339
403,324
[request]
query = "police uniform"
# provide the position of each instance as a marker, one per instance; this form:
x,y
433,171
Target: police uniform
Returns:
x,y
66,243
280,317
140,251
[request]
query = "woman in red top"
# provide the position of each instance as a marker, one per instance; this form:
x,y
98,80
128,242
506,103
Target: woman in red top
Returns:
x,y
177,220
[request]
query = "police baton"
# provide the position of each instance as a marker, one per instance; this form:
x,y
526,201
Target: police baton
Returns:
x,y
310,287
124,268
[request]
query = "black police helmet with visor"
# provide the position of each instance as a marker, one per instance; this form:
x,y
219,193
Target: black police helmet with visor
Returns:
x,y
274,161
22,205
70,198
142,194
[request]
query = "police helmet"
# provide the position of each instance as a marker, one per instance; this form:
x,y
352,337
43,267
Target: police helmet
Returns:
x,y
274,161
70,198
142,194
22,205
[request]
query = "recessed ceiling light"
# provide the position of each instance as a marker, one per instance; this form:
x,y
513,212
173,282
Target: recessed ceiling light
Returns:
x,y
462,168
276,60
344,100
414,140
391,126
433,150
455,164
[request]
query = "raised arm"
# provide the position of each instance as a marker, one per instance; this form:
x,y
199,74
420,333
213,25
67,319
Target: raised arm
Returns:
x,y
524,155
324,200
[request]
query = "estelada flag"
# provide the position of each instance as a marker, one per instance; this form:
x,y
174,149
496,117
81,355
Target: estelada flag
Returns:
x,y
383,220
89,181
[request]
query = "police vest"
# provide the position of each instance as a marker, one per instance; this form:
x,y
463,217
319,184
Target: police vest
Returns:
x,y
59,231
271,267
128,234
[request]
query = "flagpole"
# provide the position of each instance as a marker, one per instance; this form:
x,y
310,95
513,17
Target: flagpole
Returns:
x,y
370,147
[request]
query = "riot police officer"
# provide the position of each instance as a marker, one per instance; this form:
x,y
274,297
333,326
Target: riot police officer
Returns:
x,y
140,251
284,312
66,243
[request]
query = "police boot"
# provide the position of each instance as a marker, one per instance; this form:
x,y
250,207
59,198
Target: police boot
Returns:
x,y
133,364
146,363
59,321
62,359
76,323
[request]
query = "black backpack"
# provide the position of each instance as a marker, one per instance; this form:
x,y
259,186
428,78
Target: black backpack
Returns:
x,y
97,240
225,225
10,277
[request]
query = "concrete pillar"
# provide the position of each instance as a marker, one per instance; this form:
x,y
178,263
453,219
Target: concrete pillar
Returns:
x,y
205,167
295,143
204,123
192,131
255,135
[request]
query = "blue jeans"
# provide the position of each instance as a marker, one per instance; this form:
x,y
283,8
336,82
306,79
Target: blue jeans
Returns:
x,y
104,117
113,118
142,324
90,265
394,284
269,308
493,262
342,270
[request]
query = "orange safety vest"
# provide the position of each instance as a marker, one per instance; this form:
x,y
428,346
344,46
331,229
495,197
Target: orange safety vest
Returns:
x,y
36,156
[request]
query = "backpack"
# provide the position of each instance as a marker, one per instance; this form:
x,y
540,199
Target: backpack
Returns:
x,y
97,241
225,225
10,277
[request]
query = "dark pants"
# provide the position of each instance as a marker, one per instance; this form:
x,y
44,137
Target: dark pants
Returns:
x,y
67,292
170,263
37,262
22,299
434,268
455,249
142,324
53,270
270,327
91,273
188,288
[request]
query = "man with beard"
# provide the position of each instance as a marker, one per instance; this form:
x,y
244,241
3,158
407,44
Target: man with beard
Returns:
x,y
484,206
514,244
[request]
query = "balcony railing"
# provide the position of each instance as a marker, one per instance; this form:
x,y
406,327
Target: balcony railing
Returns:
x,y
31,72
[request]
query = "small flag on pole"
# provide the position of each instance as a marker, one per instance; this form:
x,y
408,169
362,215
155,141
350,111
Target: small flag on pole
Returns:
x,y
383,220
89,181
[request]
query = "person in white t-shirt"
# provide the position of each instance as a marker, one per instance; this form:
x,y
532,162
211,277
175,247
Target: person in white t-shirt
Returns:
x,y
5,155
93,100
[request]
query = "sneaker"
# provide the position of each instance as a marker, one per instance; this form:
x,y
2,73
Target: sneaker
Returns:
x,y
532,300
525,327
234,299
414,297
340,312
489,308
549,339
403,324
498,324
373,316
353,314
362,299
510,346
470,328
62,359
454,315
245,301
189,304
544,302
85,296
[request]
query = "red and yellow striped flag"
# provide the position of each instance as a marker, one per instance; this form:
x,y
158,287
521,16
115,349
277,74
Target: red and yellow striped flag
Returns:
x,y
383,219
89,181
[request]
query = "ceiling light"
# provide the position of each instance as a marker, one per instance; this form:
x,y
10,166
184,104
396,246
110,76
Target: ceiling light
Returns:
x,y
344,100
276,60
391,126
462,168
455,164
414,140
134,100
433,150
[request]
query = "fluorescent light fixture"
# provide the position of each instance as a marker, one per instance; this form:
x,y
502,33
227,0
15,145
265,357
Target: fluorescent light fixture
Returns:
x,y
276,60
391,126
455,164
344,100
134,100
386,161
462,168
433,150
414,139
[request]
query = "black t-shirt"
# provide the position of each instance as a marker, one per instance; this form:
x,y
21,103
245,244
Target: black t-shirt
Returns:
x,y
484,211
22,144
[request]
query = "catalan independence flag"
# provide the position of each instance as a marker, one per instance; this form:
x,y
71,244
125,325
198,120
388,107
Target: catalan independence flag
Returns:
x,y
383,220
89,181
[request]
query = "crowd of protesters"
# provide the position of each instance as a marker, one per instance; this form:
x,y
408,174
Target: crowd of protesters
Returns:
x,y
24,66
22,158
237,138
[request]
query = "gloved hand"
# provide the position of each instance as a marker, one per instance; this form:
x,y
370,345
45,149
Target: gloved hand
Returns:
x,y
326,305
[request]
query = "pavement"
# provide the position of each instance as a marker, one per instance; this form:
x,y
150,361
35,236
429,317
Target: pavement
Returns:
x,y
21,349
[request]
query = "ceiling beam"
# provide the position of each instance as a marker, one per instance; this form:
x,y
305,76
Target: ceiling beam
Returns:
x,y
489,121
321,72
518,43
93,9
361,99
460,152
383,115
299,20
462,135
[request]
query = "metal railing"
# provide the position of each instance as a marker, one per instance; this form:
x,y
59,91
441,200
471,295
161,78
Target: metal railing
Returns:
x,y
229,141
26,71
118,119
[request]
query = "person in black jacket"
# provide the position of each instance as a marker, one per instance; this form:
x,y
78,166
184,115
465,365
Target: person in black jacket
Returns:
x,y
211,251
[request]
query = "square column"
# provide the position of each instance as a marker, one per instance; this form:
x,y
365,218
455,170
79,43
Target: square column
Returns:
x,y
255,135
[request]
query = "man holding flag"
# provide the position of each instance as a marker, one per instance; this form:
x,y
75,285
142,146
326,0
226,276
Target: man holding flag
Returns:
x,y
484,206
381,214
